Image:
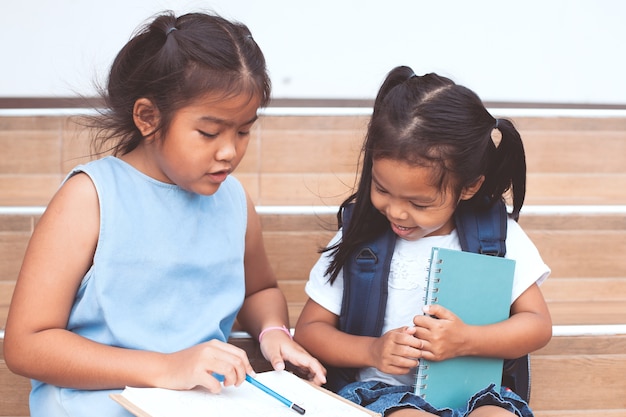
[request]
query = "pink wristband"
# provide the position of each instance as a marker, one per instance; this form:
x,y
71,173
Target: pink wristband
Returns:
x,y
281,328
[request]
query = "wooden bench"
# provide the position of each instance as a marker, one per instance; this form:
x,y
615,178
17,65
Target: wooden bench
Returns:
x,y
575,213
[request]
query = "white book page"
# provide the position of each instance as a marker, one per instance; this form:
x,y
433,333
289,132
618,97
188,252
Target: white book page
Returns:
x,y
245,400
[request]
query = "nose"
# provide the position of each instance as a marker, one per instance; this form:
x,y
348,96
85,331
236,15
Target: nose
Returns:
x,y
227,150
395,211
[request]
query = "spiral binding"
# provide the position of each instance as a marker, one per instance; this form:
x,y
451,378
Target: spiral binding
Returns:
x,y
421,380
431,280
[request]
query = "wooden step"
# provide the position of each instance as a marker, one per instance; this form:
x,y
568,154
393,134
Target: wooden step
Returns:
x,y
583,247
574,375
584,373
311,158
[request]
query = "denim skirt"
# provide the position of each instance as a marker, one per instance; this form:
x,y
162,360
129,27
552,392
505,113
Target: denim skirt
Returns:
x,y
384,398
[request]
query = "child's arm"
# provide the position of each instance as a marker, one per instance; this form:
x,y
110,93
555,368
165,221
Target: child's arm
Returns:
x,y
528,329
396,352
37,344
265,307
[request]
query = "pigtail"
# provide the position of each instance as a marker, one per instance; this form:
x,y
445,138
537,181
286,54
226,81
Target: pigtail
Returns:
x,y
397,76
366,222
506,170
168,57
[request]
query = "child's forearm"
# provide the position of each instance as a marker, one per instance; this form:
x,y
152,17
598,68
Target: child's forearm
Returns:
x,y
334,347
519,335
263,309
528,329
65,359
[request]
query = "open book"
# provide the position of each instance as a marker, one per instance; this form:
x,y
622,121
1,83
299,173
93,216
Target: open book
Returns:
x,y
245,400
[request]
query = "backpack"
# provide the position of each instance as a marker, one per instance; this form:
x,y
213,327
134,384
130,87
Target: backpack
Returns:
x,y
365,285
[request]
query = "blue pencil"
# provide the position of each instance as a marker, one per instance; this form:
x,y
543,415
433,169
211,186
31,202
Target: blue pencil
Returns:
x,y
295,407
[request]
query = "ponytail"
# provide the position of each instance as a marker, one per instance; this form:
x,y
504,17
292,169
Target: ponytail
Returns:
x,y
506,170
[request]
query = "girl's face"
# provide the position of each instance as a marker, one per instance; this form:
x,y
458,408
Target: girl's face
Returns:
x,y
204,143
404,194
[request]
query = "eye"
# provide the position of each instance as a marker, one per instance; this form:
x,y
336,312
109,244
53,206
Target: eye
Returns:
x,y
379,189
244,130
207,134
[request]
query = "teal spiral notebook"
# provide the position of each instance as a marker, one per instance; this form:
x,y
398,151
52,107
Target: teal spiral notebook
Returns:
x,y
477,288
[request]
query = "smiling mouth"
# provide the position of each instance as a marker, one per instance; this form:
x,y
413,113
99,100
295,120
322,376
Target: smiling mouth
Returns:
x,y
403,228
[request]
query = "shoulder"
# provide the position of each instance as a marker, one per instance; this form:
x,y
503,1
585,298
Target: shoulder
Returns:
x,y
98,171
74,209
77,187
106,163
515,235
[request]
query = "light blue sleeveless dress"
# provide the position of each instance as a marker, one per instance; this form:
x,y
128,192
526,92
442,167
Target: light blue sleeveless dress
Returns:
x,y
167,274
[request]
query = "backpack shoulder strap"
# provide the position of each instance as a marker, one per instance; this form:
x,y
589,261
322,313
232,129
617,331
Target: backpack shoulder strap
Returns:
x,y
485,232
365,284
365,290
482,231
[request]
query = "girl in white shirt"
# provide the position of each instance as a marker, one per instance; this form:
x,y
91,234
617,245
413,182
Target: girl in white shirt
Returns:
x,y
431,145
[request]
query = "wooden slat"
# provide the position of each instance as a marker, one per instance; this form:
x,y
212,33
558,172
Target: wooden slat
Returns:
x,y
587,285
567,158
571,254
14,391
575,188
608,344
582,253
573,382
563,151
596,289
580,375
564,220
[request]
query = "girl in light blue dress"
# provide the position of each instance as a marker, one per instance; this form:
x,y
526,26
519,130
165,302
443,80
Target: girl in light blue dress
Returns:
x,y
143,259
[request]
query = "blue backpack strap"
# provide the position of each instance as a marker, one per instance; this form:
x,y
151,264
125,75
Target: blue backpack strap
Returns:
x,y
365,280
482,231
485,232
366,285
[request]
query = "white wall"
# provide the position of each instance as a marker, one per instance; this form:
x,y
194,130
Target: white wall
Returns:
x,y
566,51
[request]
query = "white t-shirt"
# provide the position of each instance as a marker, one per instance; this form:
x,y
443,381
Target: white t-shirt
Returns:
x,y
407,274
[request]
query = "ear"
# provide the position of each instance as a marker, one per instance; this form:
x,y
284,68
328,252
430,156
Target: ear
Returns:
x,y
146,116
468,192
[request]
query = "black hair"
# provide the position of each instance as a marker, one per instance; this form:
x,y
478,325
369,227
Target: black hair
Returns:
x,y
172,61
431,121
